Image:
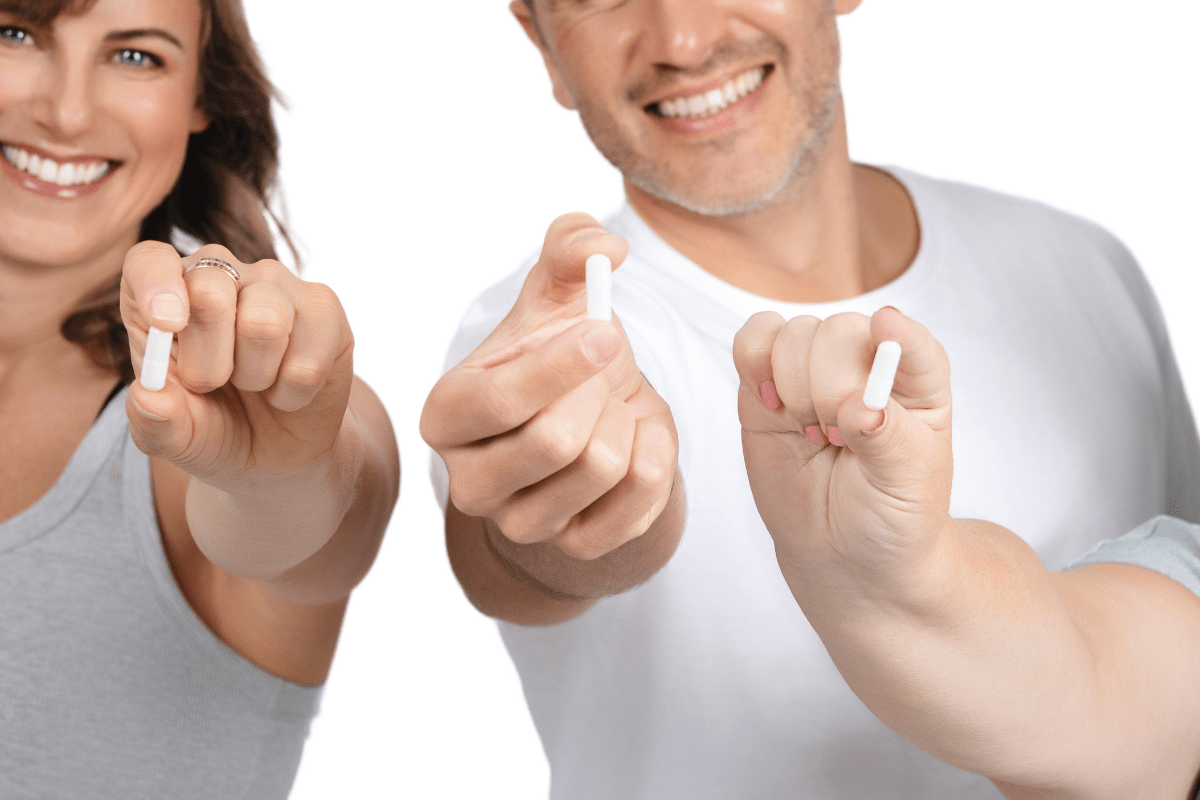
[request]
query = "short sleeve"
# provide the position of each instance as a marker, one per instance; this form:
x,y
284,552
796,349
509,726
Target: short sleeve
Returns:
x,y
1167,545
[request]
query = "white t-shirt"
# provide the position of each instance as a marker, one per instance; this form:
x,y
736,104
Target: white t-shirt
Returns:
x,y
1070,426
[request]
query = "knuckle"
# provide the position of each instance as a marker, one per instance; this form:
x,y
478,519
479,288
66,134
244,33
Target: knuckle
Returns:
x,y
207,294
262,322
515,525
802,327
847,323
650,472
217,251
151,249
556,442
499,403
605,464
302,373
430,429
321,296
271,269
437,423
582,545
469,496
751,335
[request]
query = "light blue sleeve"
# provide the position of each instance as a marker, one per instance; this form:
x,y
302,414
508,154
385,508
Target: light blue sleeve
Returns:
x,y
1167,545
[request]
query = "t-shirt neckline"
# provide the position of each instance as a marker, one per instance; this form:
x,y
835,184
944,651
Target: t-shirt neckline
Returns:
x,y
645,244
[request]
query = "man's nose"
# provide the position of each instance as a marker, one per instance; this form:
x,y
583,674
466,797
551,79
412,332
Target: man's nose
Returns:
x,y
684,33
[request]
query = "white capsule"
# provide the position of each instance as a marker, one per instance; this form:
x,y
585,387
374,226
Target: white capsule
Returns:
x,y
599,287
882,377
157,359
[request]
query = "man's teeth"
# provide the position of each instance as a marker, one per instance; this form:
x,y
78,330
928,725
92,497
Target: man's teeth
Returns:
x,y
50,171
716,100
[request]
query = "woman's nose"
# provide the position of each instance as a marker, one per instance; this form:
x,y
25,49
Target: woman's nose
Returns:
x,y
67,99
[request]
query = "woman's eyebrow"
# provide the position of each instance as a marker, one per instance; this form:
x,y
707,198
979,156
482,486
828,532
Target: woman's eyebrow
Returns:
x,y
138,33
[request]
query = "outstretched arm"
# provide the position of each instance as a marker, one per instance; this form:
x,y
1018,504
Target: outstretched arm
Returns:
x,y
1074,685
564,485
275,469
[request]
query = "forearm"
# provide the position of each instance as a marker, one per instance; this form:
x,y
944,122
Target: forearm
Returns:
x,y
538,584
310,535
997,666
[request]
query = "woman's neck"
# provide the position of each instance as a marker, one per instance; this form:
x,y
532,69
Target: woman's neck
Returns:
x,y
35,300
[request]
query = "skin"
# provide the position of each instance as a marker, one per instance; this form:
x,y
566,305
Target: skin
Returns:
x,y
274,469
1073,685
564,485
763,196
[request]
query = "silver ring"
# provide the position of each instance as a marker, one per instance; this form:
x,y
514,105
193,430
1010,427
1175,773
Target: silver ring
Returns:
x,y
217,263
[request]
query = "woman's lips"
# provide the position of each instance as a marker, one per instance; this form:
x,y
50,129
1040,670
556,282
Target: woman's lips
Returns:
x,y
42,174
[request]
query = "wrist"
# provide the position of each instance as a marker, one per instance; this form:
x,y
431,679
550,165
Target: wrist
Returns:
x,y
913,578
270,521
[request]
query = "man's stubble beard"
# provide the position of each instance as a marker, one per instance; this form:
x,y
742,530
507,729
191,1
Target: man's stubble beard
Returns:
x,y
822,112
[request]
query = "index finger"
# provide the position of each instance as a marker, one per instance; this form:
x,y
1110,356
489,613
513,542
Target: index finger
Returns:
x,y
152,288
472,403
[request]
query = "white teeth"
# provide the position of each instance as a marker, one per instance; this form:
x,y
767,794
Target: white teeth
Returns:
x,y
50,171
715,100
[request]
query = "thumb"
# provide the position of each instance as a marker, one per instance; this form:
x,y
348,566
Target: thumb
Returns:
x,y
894,447
560,274
923,377
160,422
905,449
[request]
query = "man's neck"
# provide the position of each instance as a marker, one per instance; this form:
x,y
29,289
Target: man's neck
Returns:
x,y
845,230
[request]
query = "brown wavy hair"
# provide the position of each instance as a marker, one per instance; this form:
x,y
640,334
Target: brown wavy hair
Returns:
x,y
225,190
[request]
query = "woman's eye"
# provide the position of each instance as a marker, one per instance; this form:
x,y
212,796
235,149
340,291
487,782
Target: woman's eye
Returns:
x,y
137,58
14,35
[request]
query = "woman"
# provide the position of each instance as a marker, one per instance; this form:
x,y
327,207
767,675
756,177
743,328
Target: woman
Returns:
x,y
1081,684
167,614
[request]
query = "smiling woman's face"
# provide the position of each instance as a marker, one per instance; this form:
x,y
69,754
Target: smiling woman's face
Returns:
x,y
95,113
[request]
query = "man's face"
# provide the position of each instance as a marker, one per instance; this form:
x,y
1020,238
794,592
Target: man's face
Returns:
x,y
717,106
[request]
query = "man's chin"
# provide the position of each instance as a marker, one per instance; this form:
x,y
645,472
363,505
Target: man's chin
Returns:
x,y
711,203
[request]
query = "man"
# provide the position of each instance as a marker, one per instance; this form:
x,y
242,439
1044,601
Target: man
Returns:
x,y
661,664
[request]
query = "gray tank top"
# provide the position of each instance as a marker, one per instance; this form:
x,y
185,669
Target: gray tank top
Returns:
x,y
110,685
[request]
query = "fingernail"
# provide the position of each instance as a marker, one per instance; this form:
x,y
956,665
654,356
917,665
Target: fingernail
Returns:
x,y
585,234
167,307
883,418
769,395
814,434
835,436
893,308
138,407
599,345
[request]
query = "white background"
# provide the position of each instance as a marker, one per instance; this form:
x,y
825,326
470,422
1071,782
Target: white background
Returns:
x,y
423,158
